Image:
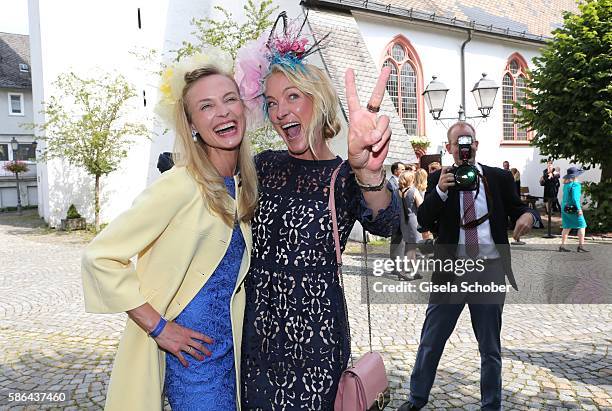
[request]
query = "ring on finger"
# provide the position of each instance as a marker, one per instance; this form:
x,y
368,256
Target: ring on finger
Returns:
x,y
373,109
188,350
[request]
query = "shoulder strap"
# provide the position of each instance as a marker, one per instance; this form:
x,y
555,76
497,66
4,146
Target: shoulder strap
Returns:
x,y
332,207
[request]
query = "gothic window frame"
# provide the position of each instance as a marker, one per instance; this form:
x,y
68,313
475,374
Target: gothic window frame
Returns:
x,y
513,75
411,58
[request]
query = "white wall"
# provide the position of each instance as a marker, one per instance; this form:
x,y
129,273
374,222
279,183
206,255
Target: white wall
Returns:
x,y
89,36
439,53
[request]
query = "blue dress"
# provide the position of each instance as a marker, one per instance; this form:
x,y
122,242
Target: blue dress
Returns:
x,y
571,196
295,343
209,384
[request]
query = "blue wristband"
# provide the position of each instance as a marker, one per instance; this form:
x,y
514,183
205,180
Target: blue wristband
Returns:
x,y
158,328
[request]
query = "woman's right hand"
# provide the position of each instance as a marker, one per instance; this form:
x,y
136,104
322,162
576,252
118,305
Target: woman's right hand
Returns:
x,y
174,338
178,340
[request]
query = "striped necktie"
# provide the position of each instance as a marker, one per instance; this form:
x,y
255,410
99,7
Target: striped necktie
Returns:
x,y
469,215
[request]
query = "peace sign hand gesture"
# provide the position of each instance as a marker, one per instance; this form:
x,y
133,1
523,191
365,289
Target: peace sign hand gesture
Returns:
x,y
369,134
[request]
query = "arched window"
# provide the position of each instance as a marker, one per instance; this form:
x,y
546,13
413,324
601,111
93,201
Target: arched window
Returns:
x,y
513,91
405,84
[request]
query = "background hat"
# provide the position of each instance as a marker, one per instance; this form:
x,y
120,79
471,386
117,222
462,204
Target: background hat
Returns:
x,y
572,172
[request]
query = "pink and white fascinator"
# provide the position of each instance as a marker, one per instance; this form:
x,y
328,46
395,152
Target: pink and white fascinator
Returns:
x,y
286,47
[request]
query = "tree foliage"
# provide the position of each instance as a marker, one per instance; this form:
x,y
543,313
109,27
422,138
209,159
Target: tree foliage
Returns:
x,y
229,36
84,124
569,98
225,33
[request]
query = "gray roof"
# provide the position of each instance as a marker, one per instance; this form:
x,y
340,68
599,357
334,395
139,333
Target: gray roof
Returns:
x,y
345,48
525,19
14,50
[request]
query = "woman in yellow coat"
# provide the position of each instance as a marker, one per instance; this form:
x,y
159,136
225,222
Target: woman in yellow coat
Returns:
x,y
191,232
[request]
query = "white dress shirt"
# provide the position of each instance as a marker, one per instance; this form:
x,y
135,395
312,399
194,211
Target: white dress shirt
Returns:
x,y
486,245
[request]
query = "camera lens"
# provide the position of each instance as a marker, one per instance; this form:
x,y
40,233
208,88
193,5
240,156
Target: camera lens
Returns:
x,y
466,176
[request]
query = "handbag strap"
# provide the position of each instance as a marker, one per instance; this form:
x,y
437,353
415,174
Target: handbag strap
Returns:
x,y
336,235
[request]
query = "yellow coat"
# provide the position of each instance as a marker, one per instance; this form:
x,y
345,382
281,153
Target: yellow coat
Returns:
x,y
179,244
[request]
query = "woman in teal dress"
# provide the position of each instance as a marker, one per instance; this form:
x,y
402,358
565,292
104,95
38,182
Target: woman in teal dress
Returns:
x,y
571,197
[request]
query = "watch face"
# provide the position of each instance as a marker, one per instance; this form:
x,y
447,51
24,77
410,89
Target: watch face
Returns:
x,y
464,140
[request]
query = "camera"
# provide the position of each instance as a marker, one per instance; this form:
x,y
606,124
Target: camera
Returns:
x,y
466,175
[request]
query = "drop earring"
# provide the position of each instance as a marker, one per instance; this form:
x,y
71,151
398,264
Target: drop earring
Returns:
x,y
195,136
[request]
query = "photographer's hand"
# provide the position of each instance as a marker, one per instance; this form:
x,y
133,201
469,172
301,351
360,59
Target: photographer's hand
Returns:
x,y
446,179
523,225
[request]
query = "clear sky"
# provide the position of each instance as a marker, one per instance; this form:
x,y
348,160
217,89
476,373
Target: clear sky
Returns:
x,y
14,16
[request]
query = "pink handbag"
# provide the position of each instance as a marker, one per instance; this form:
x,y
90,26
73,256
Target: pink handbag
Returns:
x,y
363,386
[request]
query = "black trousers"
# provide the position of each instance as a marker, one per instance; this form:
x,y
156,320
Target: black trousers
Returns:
x,y
440,321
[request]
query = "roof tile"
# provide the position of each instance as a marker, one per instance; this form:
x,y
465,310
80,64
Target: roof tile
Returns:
x,y
346,49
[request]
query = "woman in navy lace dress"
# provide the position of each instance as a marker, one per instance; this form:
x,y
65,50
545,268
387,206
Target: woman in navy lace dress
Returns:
x,y
295,341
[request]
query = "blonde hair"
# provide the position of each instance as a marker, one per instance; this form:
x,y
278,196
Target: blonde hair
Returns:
x,y
515,173
420,179
406,179
313,82
195,158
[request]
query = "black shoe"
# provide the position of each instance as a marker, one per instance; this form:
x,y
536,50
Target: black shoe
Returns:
x,y
417,276
581,249
403,277
563,249
408,406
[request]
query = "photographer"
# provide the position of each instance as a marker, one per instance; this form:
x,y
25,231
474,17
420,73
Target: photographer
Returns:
x,y
468,205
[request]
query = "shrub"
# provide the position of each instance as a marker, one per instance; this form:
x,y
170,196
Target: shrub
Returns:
x,y
72,213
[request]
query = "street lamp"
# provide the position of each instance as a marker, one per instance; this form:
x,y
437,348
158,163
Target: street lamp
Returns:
x,y
15,147
435,95
484,92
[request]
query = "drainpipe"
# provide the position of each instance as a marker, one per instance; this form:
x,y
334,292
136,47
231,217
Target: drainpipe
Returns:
x,y
462,108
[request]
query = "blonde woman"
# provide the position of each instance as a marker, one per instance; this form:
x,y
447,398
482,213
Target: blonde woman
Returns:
x,y
295,340
191,233
411,199
420,183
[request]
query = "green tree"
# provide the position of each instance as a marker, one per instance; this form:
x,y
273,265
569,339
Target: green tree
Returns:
x,y
569,102
225,33
229,36
84,125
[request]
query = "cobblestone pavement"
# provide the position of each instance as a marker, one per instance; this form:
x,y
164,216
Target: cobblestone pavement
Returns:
x,y
555,356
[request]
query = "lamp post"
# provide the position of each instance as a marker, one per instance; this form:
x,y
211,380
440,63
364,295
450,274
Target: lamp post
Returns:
x,y
484,92
15,147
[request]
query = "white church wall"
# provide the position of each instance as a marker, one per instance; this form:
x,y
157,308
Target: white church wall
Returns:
x,y
439,52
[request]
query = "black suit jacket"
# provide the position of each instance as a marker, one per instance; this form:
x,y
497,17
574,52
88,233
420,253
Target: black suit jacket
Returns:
x,y
443,217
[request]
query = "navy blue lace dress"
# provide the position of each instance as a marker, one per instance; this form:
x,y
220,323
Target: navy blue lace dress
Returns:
x,y
209,384
295,344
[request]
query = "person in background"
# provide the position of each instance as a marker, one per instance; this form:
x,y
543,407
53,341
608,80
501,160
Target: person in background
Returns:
x,y
411,200
550,182
572,216
165,162
517,179
420,182
470,225
433,166
555,205
397,169
506,165
396,243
